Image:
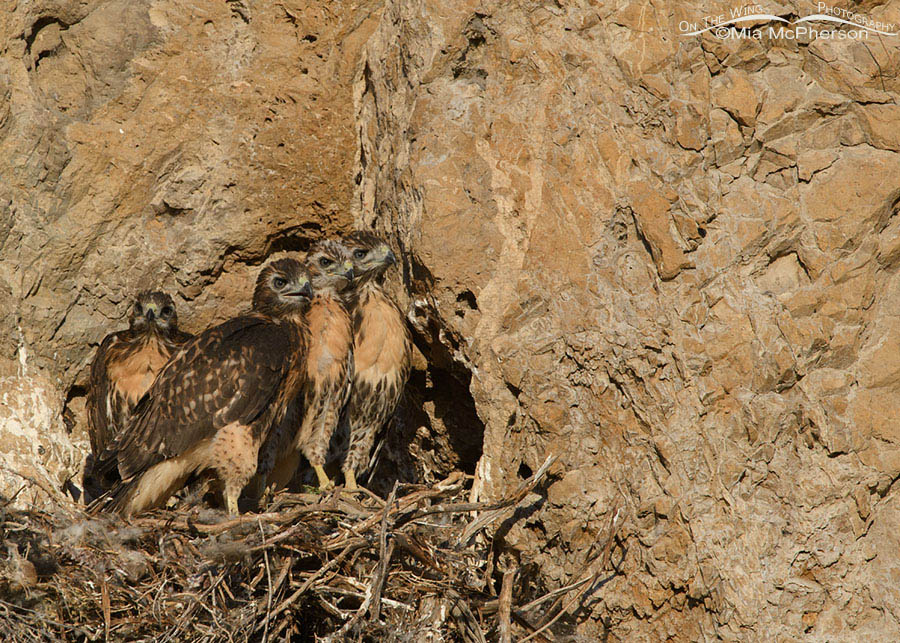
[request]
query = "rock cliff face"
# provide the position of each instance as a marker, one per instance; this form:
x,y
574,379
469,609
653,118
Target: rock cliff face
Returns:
x,y
671,260
156,145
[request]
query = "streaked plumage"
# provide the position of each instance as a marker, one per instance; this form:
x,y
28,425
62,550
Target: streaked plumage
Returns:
x,y
215,403
329,364
381,351
127,363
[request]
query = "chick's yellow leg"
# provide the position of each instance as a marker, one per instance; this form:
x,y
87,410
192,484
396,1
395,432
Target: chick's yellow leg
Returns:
x,y
324,481
231,499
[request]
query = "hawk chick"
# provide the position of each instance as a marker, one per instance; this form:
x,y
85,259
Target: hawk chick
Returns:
x,y
127,363
214,404
329,364
381,351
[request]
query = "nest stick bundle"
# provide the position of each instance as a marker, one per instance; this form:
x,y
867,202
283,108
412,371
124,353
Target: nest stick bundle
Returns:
x,y
313,567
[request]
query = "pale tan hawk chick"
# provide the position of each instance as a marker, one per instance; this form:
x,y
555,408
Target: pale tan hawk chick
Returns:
x,y
329,364
381,351
127,363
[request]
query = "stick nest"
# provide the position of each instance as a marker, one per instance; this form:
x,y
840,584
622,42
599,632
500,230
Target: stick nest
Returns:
x,y
417,566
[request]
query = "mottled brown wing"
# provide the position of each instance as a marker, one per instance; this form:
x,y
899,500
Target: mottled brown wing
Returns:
x,y
232,372
105,409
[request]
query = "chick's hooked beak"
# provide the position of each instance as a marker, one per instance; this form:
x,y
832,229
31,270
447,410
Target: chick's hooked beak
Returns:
x,y
389,257
305,289
347,269
151,311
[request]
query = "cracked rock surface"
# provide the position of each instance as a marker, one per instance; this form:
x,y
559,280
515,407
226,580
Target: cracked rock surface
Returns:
x,y
672,261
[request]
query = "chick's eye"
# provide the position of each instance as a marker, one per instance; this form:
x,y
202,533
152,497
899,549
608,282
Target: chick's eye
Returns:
x,y
359,253
325,262
279,282
167,311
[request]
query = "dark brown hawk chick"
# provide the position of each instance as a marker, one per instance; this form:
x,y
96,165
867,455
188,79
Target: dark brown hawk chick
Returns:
x,y
329,364
214,404
127,363
381,351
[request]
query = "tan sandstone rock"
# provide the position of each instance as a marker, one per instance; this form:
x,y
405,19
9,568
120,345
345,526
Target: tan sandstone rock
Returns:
x,y
683,254
671,261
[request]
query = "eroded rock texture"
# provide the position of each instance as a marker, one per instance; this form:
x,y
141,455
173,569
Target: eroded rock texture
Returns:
x,y
673,261
159,145
670,260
